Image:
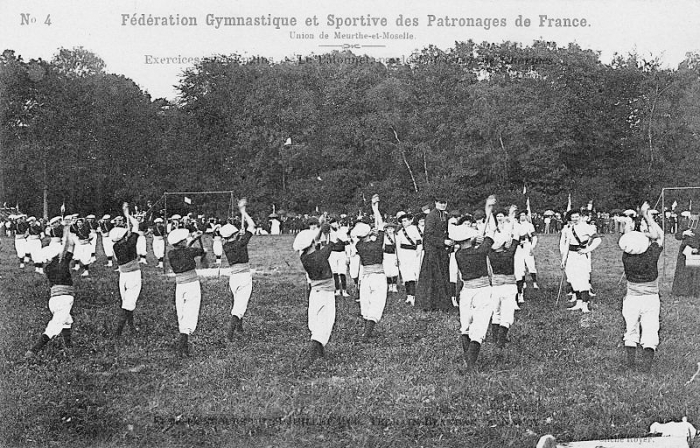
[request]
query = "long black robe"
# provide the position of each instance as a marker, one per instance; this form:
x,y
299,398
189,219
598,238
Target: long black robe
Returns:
x,y
433,287
686,280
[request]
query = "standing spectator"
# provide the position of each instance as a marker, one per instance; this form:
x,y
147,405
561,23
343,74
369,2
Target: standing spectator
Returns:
x,y
408,247
686,280
433,289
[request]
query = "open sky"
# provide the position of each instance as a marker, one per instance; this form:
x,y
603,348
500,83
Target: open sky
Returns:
x,y
153,53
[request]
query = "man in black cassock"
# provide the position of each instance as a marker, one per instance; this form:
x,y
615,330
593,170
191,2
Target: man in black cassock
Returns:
x,y
433,288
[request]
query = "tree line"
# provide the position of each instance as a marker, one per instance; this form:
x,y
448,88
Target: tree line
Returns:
x,y
329,131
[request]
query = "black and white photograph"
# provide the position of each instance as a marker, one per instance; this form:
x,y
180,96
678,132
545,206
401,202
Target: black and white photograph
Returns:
x,y
451,223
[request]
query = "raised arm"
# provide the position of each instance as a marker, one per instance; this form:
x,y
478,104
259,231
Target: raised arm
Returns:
x,y
378,220
490,224
247,222
654,231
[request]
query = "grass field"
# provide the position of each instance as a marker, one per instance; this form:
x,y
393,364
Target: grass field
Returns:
x,y
560,374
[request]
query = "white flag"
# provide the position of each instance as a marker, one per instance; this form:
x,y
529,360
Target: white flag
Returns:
x,y
568,206
188,200
674,205
288,142
590,205
524,189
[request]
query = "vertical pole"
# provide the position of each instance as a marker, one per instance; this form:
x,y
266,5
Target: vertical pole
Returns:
x,y
663,229
165,219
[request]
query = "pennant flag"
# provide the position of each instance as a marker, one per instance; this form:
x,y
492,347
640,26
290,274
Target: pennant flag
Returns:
x,y
568,206
674,205
188,200
317,209
288,142
590,205
63,209
524,189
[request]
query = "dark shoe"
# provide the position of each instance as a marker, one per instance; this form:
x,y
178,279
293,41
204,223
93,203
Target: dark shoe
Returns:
x,y
315,352
43,340
630,353
494,332
369,329
502,336
472,355
464,339
130,321
183,346
647,359
233,328
121,323
66,333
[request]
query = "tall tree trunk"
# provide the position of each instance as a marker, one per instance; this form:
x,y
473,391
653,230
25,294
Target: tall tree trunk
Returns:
x,y
405,161
46,187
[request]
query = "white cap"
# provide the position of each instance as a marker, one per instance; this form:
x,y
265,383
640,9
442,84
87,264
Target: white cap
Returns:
x,y
157,220
117,234
462,232
55,219
634,243
105,217
499,240
31,218
630,212
304,239
177,236
176,217
90,216
360,230
228,230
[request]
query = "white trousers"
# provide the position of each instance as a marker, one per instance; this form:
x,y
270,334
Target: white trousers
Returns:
x,y
241,285
390,265
373,296
33,249
141,246
409,264
217,246
475,310
20,244
338,262
321,314
158,247
188,297
129,289
83,253
355,266
108,246
578,271
524,261
454,269
641,315
60,307
93,242
504,299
